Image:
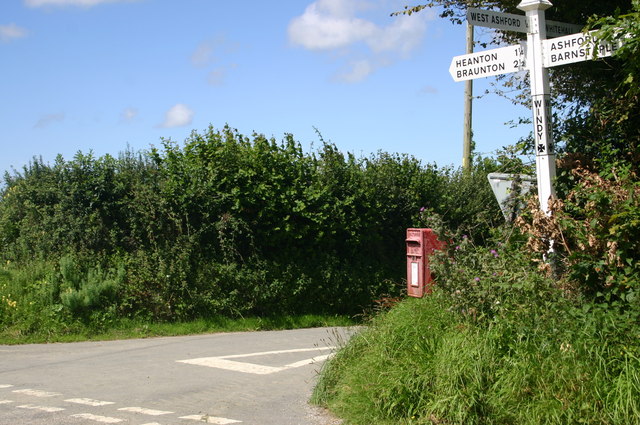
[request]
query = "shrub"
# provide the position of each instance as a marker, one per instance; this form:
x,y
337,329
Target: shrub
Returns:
x,y
229,224
83,294
596,230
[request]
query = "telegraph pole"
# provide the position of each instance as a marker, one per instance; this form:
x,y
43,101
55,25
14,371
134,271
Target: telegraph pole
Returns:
x,y
468,106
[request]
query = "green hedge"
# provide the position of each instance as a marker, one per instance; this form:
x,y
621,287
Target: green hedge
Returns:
x,y
229,224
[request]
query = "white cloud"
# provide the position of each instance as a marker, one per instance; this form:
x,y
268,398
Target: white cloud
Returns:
x,y
329,24
83,3
129,114
49,119
203,54
340,25
429,90
216,51
11,32
403,35
359,70
178,116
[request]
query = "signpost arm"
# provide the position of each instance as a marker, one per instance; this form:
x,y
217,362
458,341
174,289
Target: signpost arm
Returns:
x,y
540,100
468,106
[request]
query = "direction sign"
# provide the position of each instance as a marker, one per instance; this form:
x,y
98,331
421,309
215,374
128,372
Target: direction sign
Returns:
x,y
489,62
498,20
558,29
517,23
575,48
541,54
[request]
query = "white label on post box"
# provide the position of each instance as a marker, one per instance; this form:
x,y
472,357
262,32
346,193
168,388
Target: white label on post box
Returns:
x,y
414,274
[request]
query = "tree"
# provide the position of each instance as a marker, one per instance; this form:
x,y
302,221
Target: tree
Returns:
x,y
596,102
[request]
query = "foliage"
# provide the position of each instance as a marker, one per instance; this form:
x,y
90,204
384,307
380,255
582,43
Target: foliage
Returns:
x,y
496,343
614,118
499,342
83,294
596,232
225,224
468,205
596,109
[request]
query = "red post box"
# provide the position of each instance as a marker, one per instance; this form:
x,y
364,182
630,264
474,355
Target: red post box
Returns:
x,y
420,245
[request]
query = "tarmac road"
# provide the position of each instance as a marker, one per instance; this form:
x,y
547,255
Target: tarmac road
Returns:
x,y
252,378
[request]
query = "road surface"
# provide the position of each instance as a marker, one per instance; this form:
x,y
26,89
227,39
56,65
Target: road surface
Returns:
x,y
250,378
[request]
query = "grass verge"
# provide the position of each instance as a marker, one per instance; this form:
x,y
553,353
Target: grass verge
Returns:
x,y
424,363
129,329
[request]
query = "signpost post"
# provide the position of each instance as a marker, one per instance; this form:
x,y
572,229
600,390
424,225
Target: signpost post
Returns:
x,y
536,55
540,100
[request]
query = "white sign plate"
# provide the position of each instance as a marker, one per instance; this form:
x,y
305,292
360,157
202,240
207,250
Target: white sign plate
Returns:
x,y
518,23
575,48
558,29
498,20
489,62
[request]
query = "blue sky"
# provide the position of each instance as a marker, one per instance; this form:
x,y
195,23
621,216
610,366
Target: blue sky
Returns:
x,y
101,75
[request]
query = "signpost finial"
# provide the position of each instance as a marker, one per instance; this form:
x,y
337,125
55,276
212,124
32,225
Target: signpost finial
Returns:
x,y
526,5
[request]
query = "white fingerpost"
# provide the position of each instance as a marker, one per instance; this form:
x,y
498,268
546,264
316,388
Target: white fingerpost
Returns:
x,y
540,99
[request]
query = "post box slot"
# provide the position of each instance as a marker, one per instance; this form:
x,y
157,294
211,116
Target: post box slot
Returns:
x,y
414,248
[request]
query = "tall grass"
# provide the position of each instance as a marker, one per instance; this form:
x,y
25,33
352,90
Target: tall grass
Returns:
x,y
530,356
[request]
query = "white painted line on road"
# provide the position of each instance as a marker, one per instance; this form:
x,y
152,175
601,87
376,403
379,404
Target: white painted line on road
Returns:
x,y
144,411
96,418
89,402
265,353
47,409
36,393
222,362
6,385
6,401
210,419
152,423
219,363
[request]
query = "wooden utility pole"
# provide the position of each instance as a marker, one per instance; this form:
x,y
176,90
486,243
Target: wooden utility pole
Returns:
x,y
468,106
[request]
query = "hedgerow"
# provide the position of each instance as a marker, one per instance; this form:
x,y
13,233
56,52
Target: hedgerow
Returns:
x,y
223,224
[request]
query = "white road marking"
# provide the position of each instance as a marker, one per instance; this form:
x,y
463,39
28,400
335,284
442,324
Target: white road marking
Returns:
x,y
6,401
265,353
144,411
152,423
5,386
36,393
210,419
47,409
222,362
96,418
89,402
219,363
